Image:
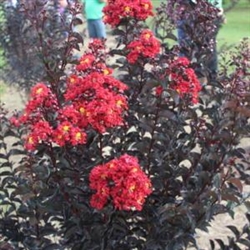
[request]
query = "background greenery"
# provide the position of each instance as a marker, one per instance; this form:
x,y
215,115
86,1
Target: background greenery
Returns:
x,y
237,23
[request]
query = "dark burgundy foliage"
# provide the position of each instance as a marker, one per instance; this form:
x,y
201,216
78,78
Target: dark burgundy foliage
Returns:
x,y
37,40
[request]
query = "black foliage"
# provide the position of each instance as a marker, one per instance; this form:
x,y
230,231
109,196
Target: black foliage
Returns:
x,y
191,153
37,39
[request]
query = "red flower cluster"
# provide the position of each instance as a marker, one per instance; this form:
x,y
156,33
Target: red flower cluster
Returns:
x,y
41,106
98,100
184,79
121,180
40,131
116,10
92,98
147,46
92,61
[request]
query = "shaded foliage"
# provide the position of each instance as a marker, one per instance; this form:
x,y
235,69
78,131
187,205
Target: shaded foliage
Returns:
x,y
37,39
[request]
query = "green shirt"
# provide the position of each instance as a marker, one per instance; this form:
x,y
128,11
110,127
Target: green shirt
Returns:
x,y
216,3
93,9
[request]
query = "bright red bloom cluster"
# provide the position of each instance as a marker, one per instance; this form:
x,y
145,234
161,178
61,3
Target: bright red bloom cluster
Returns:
x,y
96,97
98,100
121,180
147,46
46,121
40,131
92,98
92,61
184,79
116,10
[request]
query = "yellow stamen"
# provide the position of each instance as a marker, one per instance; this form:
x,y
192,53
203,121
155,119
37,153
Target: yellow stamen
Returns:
x,y
82,110
127,9
86,60
39,91
146,6
147,36
103,176
132,188
78,136
72,80
106,72
134,170
66,128
111,165
119,103
138,48
30,140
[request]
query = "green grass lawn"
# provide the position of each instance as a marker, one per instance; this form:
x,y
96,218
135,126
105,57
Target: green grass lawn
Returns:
x,y
237,24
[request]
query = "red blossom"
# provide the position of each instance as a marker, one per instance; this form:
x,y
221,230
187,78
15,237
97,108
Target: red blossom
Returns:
x,y
146,46
40,132
40,91
68,113
67,132
96,45
15,121
77,136
184,79
181,62
31,142
61,135
73,79
121,180
41,98
158,90
85,62
116,10
98,100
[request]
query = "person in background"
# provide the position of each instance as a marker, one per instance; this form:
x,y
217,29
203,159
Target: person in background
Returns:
x,y
93,13
184,39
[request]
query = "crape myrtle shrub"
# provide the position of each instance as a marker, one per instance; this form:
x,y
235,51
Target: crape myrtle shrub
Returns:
x,y
194,18
37,39
134,162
